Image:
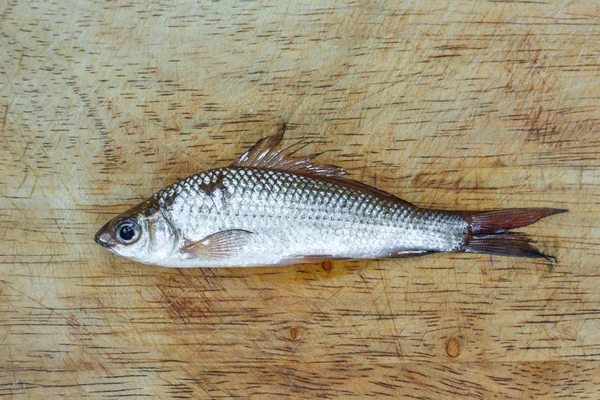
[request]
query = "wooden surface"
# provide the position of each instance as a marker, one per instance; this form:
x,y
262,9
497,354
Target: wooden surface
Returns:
x,y
468,105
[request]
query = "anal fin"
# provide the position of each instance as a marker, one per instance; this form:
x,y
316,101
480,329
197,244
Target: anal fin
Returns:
x,y
411,253
310,258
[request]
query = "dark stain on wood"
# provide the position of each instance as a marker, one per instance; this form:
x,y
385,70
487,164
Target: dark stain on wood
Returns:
x,y
453,347
294,333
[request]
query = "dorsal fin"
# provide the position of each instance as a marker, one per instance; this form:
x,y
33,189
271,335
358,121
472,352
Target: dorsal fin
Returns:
x,y
264,155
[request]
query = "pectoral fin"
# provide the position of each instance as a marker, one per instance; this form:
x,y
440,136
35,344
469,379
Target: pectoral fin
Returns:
x,y
218,245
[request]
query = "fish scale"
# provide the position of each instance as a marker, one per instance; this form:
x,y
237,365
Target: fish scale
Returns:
x,y
272,208
299,215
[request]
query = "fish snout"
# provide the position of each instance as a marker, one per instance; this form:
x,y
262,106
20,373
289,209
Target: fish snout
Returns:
x,y
103,236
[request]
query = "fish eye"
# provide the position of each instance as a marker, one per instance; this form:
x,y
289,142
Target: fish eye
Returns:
x,y
127,231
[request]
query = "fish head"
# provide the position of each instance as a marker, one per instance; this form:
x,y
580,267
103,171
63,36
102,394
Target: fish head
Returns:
x,y
142,234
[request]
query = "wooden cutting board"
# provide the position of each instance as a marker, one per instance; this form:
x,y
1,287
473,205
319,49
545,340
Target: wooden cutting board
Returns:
x,y
458,105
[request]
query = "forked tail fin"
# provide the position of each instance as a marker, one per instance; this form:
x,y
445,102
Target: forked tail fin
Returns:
x,y
488,231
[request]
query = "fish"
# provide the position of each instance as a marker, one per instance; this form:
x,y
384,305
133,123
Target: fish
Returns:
x,y
272,207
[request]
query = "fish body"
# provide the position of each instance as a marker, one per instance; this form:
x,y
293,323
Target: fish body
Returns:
x,y
284,218
269,208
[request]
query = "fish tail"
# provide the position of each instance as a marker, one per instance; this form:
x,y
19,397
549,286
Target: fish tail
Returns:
x,y
488,231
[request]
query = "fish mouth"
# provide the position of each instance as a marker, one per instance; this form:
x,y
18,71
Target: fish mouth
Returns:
x,y
103,237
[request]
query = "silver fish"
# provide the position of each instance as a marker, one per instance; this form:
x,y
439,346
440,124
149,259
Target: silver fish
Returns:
x,y
272,208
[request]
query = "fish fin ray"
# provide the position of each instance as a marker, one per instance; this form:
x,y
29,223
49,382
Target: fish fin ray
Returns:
x,y
373,191
410,253
218,245
314,258
264,155
514,244
502,220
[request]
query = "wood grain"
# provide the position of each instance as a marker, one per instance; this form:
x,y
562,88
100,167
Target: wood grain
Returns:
x,y
469,105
